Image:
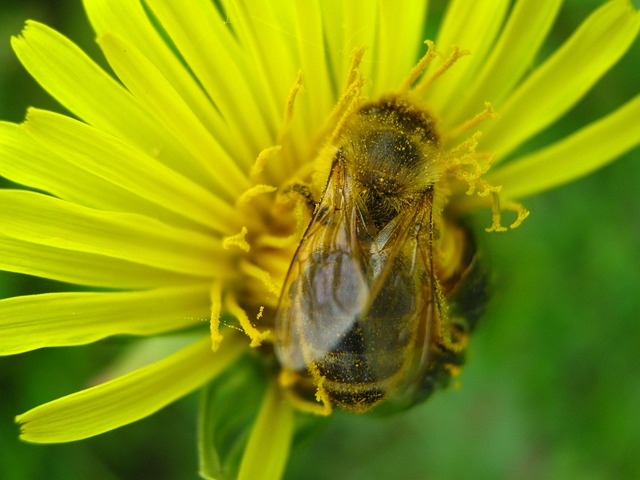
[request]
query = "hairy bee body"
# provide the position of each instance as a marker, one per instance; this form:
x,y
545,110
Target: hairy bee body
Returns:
x,y
361,314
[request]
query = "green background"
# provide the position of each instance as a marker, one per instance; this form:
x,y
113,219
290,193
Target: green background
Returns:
x,y
552,385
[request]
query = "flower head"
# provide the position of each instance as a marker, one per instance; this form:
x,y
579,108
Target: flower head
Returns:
x,y
181,189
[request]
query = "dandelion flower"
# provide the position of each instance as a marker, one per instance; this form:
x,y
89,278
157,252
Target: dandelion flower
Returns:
x,y
174,189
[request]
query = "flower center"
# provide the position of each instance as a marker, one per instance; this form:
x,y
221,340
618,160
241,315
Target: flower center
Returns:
x,y
287,188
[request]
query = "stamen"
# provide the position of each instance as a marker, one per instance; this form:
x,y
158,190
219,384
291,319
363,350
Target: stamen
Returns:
x,y
263,276
354,68
486,114
420,67
465,150
332,129
254,192
451,59
263,156
350,105
303,171
495,215
321,394
520,209
275,241
465,164
237,240
288,379
497,208
291,100
215,295
256,336
323,397
345,104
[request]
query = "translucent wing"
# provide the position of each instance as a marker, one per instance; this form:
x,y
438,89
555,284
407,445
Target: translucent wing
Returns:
x,y
358,304
326,286
402,318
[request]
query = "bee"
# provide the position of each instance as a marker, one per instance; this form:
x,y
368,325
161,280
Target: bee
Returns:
x,y
369,311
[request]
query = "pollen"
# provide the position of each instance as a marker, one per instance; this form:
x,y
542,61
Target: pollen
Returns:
x,y
462,162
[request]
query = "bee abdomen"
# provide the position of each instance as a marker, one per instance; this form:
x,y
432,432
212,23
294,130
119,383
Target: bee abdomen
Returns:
x,y
357,382
366,368
356,397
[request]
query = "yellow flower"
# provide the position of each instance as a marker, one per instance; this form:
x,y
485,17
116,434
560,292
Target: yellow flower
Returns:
x,y
172,193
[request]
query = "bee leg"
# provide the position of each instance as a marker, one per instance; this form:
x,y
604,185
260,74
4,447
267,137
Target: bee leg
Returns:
x,y
304,192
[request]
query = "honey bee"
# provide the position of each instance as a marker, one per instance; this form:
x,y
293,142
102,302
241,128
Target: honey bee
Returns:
x,y
368,311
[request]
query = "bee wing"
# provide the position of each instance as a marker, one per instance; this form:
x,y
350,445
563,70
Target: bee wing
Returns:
x,y
363,305
402,315
326,286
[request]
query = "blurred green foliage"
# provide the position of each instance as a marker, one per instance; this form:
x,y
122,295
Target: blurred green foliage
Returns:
x,y
551,389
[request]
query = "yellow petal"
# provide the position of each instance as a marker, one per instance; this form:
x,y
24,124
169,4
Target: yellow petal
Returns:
x,y
153,90
45,220
472,26
82,268
205,41
120,164
127,398
267,37
76,318
25,161
398,42
268,449
564,78
129,21
519,43
338,56
309,37
62,69
579,154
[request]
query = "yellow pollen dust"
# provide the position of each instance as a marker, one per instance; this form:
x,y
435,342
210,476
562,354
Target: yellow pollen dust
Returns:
x,y
463,162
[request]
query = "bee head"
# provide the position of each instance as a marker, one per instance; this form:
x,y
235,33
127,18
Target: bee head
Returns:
x,y
391,147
